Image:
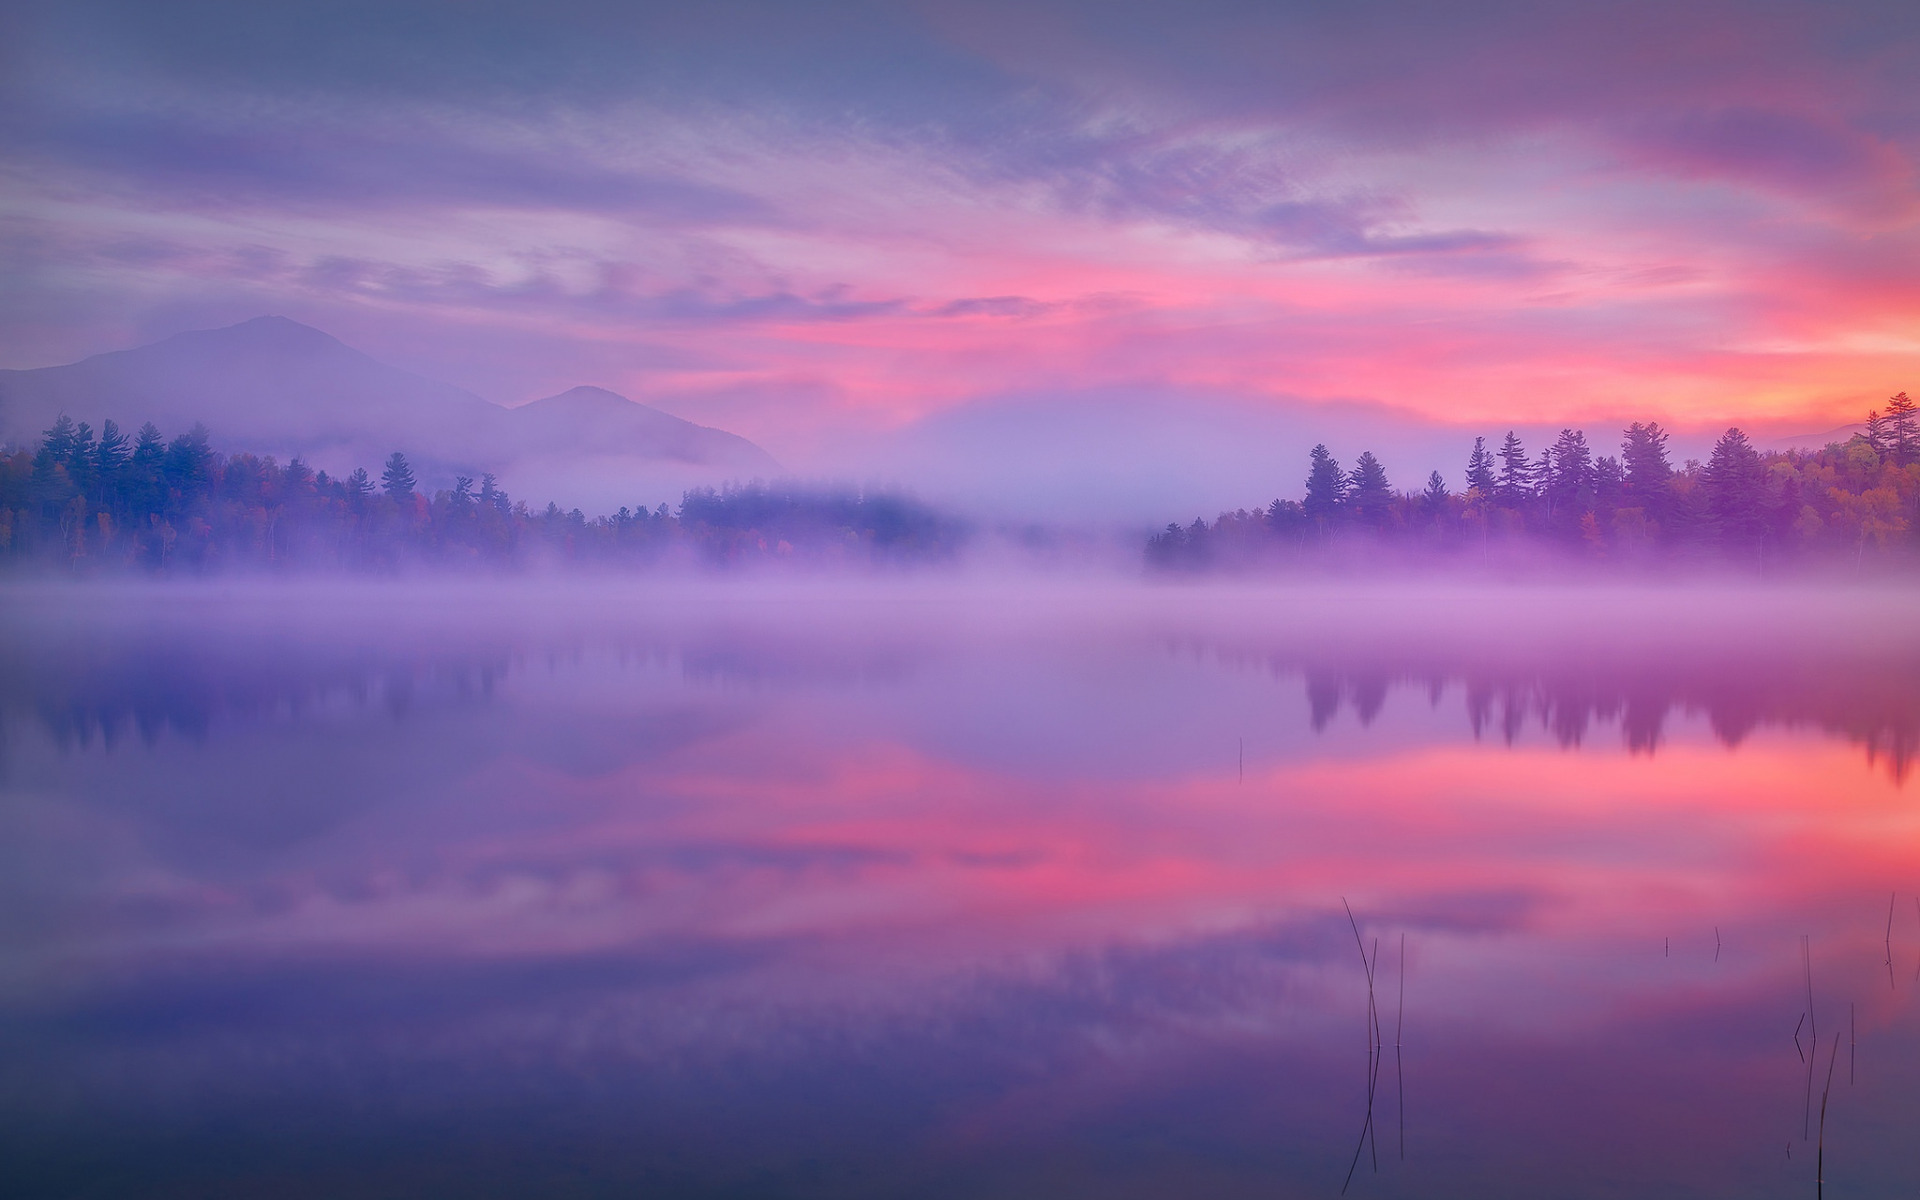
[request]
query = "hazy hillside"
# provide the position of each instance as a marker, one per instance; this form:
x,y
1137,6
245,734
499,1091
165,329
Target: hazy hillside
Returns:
x,y
275,386
594,418
1818,441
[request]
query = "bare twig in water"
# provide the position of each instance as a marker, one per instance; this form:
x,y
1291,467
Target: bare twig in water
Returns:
x,y
1813,1021
1355,1164
1891,897
1379,1053
1820,1152
1373,1028
1716,943
1796,1037
1852,1044
1400,1074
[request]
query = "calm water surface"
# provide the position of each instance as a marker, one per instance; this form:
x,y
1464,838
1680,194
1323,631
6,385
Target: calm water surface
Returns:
x,y
957,890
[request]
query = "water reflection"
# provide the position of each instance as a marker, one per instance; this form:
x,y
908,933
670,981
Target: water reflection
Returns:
x,y
830,894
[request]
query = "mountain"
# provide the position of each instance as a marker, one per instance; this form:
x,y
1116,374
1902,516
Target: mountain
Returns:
x,y
1817,441
275,386
269,385
595,417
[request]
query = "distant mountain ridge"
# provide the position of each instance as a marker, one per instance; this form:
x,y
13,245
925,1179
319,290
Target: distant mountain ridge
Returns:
x,y
275,386
1818,441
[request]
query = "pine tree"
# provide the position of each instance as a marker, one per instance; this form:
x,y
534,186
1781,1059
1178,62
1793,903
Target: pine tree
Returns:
x,y
1480,468
1569,476
56,443
82,463
1735,482
297,482
1609,482
148,446
1516,474
52,484
1878,435
145,493
1326,486
1367,489
113,449
189,461
1903,429
397,480
1434,498
110,457
1648,472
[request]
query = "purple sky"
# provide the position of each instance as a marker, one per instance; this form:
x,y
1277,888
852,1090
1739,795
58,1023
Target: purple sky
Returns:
x,y
827,225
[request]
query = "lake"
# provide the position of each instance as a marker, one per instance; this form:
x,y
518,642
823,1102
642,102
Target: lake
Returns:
x,y
948,887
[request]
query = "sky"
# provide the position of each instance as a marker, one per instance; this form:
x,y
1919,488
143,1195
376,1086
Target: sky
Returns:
x,y
853,231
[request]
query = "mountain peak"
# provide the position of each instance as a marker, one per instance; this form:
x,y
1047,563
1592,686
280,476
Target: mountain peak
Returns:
x,y
275,334
588,395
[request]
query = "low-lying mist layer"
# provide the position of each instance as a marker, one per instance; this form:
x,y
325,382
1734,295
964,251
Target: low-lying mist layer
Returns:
x,y
92,660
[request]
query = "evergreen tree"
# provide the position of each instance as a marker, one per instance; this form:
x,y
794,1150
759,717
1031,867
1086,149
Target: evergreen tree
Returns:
x,y
1735,482
1569,476
1516,474
1649,473
1878,435
145,490
1434,499
1326,486
189,461
1367,489
1480,468
358,487
397,480
52,483
82,462
298,483
112,455
492,497
56,444
1609,482
1903,429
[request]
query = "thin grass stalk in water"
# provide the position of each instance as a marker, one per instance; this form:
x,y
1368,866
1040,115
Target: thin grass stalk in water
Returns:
x,y
1806,958
1820,1150
1891,897
1366,1125
1399,1070
1379,1053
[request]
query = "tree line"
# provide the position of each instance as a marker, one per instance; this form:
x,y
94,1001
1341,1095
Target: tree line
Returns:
x,y
1850,502
88,501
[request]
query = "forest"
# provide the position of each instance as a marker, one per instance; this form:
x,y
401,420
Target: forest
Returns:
x,y
1847,506
81,501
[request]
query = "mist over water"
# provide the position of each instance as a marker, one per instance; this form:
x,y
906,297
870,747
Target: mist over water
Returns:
x,y
955,885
